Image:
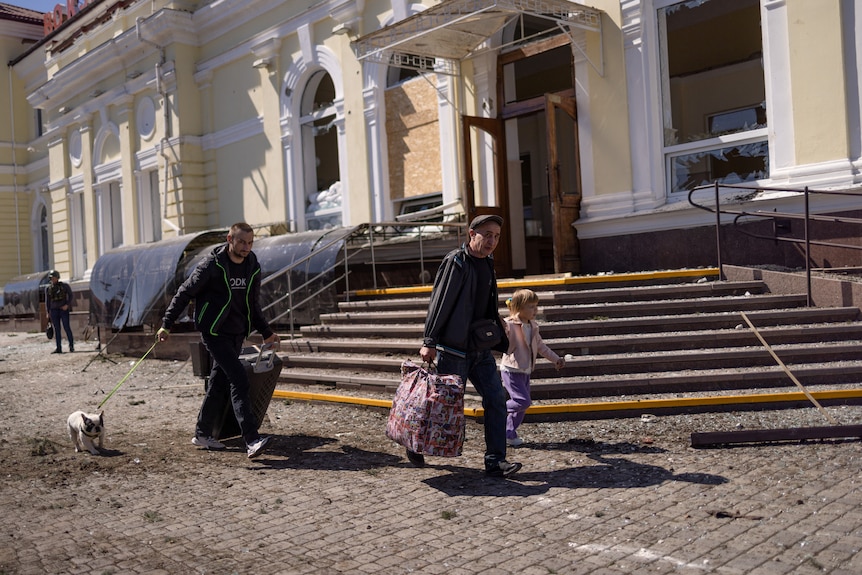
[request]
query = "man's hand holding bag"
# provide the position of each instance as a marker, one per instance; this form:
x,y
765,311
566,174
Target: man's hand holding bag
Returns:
x,y
427,414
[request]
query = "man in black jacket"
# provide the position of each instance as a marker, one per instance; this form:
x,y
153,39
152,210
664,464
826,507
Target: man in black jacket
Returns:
x,y
226,290
58,297
465,290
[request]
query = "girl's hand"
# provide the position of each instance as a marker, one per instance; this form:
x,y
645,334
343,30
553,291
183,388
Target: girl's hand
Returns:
x,y
560,363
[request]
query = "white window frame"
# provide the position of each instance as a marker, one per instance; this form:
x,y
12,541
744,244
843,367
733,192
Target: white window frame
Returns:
x,y
77,238
149,207
109,214
334,215
674,151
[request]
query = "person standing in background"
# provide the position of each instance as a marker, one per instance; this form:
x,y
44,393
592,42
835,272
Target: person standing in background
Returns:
x,y
58,297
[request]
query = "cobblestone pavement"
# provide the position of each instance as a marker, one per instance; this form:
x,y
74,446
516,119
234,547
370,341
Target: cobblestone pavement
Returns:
x,y
333,495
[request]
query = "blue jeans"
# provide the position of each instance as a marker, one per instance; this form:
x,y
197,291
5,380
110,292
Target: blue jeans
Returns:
x,y
228,382
481,369
59,316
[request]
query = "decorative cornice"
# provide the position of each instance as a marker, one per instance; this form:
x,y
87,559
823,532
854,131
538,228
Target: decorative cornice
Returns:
x,y
113,57
214,19
167,27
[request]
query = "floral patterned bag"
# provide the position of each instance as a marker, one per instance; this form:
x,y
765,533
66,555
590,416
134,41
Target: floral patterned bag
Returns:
x,y
427,414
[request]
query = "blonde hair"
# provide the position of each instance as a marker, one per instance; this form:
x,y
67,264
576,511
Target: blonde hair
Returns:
x,y
521,298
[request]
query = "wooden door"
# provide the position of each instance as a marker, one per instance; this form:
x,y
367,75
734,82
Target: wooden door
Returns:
x,y
564,179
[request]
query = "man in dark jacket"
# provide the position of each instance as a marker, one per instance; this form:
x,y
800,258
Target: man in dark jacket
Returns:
x,y
58,298
226,290
465,290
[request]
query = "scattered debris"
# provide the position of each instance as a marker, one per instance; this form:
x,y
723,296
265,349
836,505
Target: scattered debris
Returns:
x,y
734,515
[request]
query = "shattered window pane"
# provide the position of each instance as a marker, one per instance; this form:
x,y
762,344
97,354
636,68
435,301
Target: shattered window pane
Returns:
x,y
729,165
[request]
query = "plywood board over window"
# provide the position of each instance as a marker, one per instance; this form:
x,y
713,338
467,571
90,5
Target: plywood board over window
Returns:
x,y
412,128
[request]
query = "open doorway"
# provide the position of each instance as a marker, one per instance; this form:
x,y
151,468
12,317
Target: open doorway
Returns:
x,y
540,124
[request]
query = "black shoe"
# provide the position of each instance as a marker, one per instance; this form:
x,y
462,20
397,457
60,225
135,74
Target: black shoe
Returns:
x,y
57,351
71,348
416,459
503,469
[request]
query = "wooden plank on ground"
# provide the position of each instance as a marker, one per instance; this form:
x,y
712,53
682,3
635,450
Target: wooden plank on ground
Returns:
x,y
713,438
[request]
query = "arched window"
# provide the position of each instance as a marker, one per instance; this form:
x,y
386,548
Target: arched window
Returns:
x,y
322,177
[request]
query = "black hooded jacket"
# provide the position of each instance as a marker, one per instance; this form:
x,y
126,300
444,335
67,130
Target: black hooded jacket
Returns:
x,y
209,286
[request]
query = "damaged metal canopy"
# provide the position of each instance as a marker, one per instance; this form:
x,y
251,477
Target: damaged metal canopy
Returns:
x,y
454,29
132,285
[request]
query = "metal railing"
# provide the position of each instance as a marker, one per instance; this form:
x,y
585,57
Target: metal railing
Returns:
x,y
356,241
806,217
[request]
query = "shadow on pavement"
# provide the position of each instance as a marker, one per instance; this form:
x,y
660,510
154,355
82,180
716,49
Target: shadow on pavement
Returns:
x,y
323,453
609,471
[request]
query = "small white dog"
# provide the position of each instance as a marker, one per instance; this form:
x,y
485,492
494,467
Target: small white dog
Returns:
x,y
84,428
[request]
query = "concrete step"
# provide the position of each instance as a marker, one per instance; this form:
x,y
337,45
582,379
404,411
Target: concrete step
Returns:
x,y
645,384
698,321
724,358
583,366
577,296
633,340
592,311
622,343
672,307
711,338
599,327
711,380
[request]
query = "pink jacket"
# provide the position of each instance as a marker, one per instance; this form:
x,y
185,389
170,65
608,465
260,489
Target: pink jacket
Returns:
x,y
520,356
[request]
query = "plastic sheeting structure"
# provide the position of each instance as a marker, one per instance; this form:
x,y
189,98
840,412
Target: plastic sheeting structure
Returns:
x,y
132,286
21,295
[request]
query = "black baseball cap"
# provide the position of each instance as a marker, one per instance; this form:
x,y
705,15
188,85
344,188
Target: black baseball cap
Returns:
x,y
479,220
54,274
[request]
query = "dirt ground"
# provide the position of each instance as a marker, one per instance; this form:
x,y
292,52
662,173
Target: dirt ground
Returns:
x,y
146,486
150,418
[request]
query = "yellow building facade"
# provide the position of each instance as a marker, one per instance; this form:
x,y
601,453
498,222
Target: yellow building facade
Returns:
x,y
131,121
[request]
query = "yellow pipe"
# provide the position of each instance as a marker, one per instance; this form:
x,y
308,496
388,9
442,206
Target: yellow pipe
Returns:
x,y
645,405
557,281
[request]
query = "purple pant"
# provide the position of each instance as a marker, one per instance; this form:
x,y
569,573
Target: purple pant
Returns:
x,y
518,386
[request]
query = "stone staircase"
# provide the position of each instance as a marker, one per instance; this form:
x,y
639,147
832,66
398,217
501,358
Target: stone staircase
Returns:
x,y
679,337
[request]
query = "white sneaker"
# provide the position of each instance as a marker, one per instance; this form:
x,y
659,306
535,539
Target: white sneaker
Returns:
x,y
208,443
515,442
255,448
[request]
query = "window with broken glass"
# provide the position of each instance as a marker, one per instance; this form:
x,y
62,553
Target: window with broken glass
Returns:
x,y
321,169
713,92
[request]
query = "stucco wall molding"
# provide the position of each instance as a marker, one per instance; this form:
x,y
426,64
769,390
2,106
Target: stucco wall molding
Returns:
x,y
167,27
681,215
214,19
233,134
838,173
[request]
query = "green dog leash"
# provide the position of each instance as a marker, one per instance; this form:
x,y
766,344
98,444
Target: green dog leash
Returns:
x,y
134,367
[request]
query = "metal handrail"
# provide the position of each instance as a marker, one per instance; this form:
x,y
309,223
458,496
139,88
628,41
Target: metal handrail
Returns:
x,y
355,241
806,217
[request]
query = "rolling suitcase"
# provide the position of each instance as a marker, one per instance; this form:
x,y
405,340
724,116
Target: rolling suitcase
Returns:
x,y
263,367
427,414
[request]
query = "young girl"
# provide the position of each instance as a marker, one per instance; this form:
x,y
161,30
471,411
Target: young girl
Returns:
x,y
518,362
